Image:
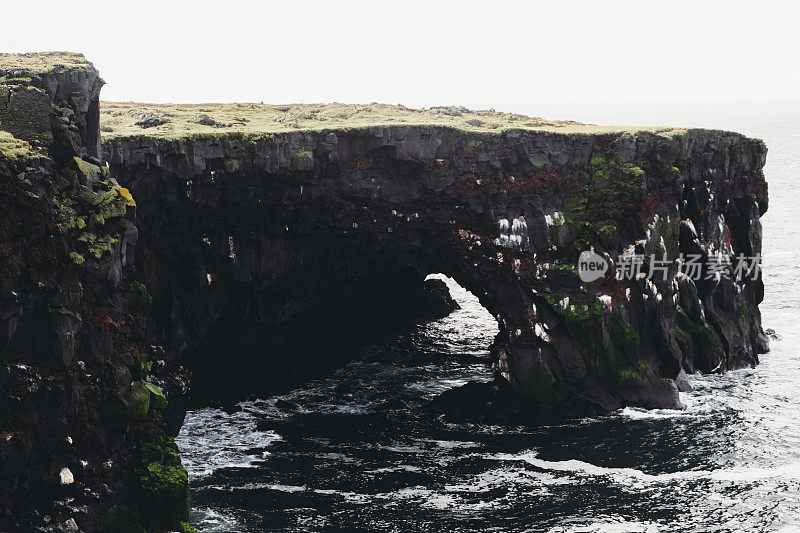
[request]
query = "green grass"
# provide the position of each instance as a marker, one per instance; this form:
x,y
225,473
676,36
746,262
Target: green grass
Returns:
x,y
118,119
16,149
40,62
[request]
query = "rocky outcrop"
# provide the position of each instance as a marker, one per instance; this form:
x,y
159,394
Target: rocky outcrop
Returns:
x,y
83,414
257,244
52,100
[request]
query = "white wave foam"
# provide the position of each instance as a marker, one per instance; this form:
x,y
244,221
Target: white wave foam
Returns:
x,y
397,468
622,526
211,521
211,440
633,478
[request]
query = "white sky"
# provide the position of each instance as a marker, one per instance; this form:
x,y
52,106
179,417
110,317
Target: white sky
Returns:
x,y
487,53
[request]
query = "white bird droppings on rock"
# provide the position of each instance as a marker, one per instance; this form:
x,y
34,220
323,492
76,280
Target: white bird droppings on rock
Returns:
x,y
65,476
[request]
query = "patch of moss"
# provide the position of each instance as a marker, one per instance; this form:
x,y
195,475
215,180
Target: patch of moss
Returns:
x,y
17,149
163,481
98,245
622,332
577,312
627,376
77,258
616,184
126,195
89,171
64,312
565,267
232,165
632,375
19,80
302,154
186,528
583,311
595,205
137,401
82,213
743,312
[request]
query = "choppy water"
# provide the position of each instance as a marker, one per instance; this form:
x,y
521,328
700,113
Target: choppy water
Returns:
x,y
357,451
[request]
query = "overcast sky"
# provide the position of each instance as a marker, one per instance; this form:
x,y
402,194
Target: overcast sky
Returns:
x,y
487,53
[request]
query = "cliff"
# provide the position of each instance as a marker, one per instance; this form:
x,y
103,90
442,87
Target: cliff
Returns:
x,y
278,235
256,245
83,418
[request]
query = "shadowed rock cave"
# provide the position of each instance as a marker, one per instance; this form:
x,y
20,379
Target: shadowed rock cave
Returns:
x,y
260,280
236,341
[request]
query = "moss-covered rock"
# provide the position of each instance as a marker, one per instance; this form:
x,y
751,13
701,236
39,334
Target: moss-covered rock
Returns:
x,y
89,172
596,202
163,489
186,528
303,160
138,401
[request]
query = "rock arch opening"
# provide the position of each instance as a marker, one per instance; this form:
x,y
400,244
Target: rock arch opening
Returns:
x,y
354,421
244,327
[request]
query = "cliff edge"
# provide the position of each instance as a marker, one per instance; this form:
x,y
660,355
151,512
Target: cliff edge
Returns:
x,y
255,245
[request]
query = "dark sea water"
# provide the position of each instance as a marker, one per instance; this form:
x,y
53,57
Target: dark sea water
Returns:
x,y
358,452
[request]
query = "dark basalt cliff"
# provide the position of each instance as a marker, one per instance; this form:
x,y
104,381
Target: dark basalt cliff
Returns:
x,y
256,260
85,428
259,246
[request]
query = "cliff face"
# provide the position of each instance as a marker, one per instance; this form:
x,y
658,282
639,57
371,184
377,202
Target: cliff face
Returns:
x,y
83,418
260,245
257,259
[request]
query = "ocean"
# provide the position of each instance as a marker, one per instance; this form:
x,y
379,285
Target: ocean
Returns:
x,y
358,451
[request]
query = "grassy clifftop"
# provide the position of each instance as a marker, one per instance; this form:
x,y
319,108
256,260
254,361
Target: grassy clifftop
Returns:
x,y
125,119
40,62
14,148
